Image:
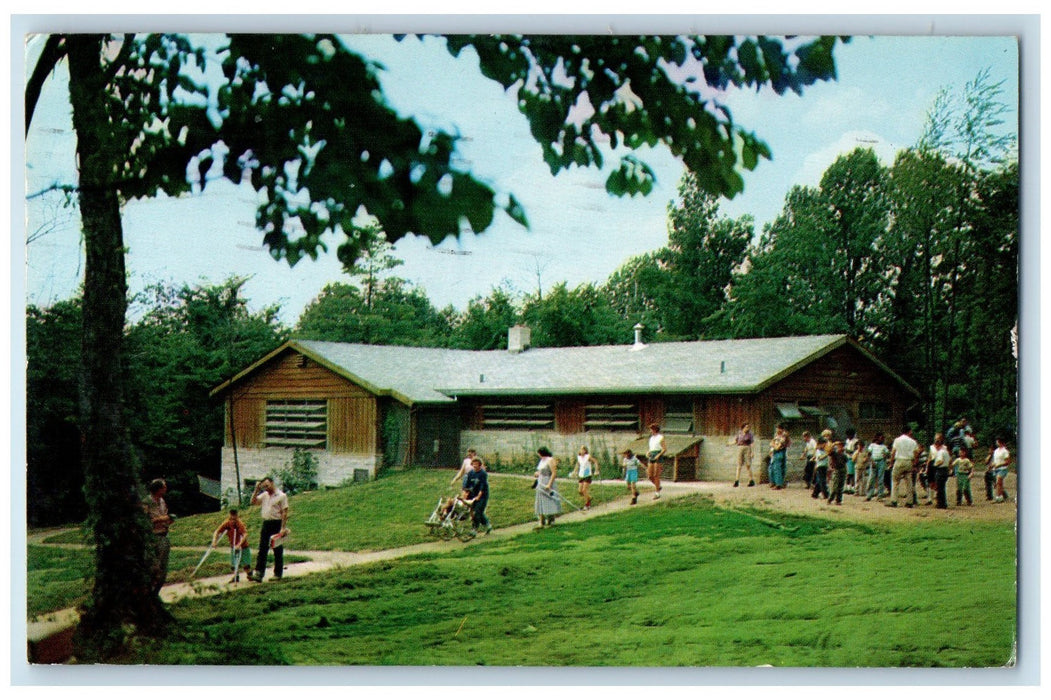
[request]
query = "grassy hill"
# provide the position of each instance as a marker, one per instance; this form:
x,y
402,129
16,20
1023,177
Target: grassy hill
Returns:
x,y
679,583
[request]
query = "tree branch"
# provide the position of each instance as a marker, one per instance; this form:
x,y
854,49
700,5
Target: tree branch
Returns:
x,y
54,51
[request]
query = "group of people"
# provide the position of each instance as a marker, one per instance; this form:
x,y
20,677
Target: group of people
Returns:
x,y
273,505
894,472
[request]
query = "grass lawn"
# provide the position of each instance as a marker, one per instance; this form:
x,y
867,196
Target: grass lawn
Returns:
x,y
382,514
681,583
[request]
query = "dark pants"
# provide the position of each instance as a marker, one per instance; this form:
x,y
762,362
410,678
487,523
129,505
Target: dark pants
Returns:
x,y
963,491
270,528
808,473
478,518
990,481
159,570
820,482
941,478
839,477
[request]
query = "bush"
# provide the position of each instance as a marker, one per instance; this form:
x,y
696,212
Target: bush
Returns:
x,y
300,474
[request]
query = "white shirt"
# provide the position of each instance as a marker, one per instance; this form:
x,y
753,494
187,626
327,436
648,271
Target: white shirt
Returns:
x,y
810,449
940,456
1000,457
904,447
584,465
272,506
655,442
877,451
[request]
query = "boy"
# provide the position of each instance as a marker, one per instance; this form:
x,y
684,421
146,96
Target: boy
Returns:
x,y
631,474
963,467
837,467
237,533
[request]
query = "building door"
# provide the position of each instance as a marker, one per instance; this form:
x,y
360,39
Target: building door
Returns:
x,y
437,438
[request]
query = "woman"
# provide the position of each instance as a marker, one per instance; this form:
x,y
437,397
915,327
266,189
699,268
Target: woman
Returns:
x,y
657,448
744,442
878,453
548,502
587,467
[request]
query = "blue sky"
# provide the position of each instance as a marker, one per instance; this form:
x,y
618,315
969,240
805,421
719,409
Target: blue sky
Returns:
x,y
578,233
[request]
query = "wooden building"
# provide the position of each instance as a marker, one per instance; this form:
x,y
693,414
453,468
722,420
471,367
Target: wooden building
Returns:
x,y
360,405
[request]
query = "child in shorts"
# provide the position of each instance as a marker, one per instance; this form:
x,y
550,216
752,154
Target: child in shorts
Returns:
x,y
237,534
631,474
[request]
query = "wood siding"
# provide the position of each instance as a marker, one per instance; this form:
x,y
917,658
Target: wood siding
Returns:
x,y
846,378
351,415
724,414
569,417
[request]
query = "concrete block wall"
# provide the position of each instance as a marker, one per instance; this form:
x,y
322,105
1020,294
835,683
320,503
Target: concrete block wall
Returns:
x,y
333,469
521,445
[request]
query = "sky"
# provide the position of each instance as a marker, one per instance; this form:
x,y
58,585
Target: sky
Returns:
x,y
578,233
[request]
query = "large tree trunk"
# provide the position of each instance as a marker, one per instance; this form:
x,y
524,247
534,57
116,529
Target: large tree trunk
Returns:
x,y
124,545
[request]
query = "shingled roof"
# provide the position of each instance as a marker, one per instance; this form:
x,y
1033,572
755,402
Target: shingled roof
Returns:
x,y
436,375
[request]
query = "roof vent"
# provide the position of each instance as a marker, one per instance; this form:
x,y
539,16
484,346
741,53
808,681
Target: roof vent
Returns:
x,y
518,338
638,345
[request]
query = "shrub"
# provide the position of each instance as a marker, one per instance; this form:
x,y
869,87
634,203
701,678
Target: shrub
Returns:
x,y
300,473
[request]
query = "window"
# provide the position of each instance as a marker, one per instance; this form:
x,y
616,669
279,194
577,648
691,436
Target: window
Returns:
x,y
519,416
678,416
871,410
611,416
297,423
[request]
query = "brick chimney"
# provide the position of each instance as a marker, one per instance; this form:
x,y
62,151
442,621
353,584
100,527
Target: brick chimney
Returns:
x,y
518,339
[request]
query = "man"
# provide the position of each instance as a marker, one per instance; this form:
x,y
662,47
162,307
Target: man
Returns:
x,y
160,520
744,442
778,454
476,484
809,458
902,453
273,505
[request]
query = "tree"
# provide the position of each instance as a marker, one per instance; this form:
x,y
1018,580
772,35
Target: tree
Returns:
x,y
54,479
703,252
304,121
484,324
399,314
570,317
820,266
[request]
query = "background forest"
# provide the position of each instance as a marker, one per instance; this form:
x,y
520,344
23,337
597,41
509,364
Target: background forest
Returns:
x,y
918,261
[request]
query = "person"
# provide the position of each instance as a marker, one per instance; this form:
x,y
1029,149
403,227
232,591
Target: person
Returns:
x,y
821,457
1001,461
548,503
744,440
586,468
656,449
273,507
237,534
778,451
862,468
631,474
902,454
878,452
160,521
837,467
963,467
476,487
809,448
449,503
465,468
849,447
940,462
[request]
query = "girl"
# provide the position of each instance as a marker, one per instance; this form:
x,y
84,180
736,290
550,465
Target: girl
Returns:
x,y
631,474
587,467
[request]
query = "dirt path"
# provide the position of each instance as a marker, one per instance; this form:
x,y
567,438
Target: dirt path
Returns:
x,y
793,499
